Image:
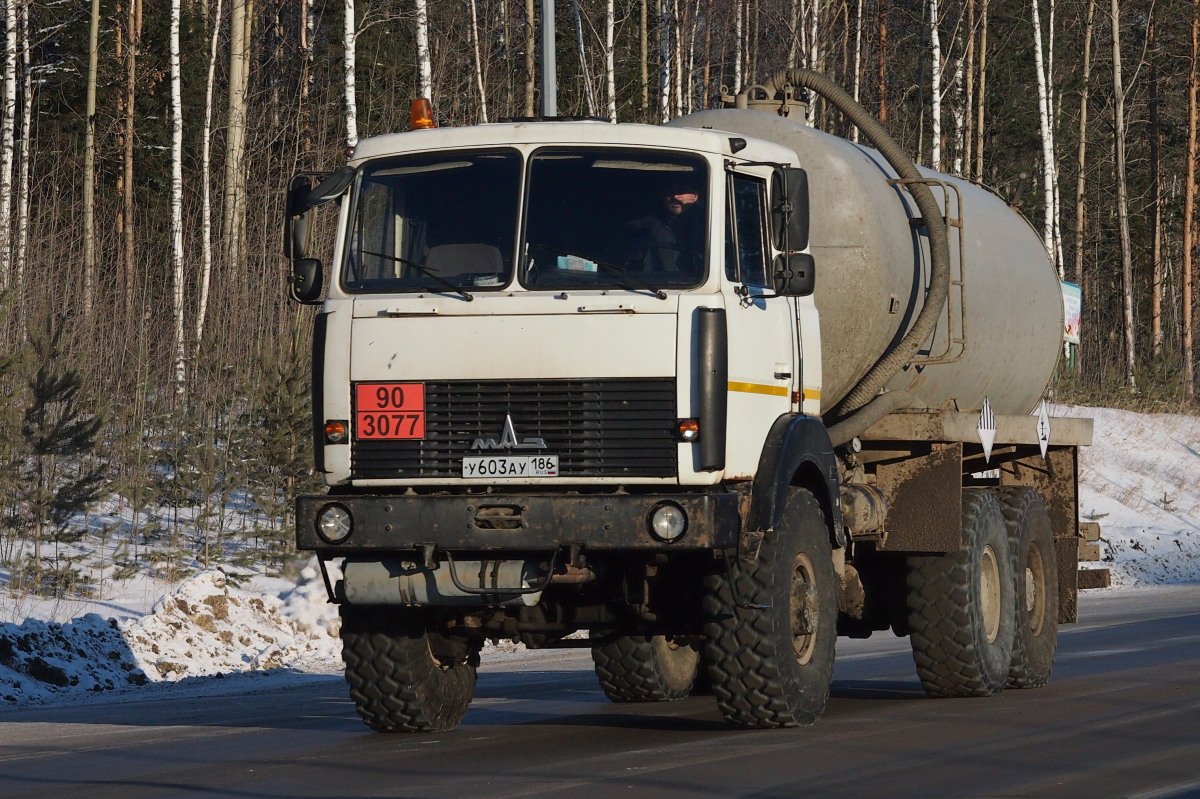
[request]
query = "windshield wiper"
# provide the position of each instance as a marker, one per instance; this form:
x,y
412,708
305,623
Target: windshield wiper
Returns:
x,y
637,282
424,270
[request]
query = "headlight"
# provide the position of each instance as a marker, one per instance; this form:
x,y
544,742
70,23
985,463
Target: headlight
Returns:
x,y
667,522
334,524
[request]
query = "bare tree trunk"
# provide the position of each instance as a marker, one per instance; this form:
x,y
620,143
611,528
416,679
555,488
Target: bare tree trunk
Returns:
x,y
645,54
25,161
1123,199
979,102
738,80
241,25
584,71
1156,257
350,53
610,67
177,206
857,85
133,33
8,117
206,261
89,164
795,32
530,48
665,29
424,64
814,55
483,109
1045,119
1189,210
969,92
1081,179
935,59
881,84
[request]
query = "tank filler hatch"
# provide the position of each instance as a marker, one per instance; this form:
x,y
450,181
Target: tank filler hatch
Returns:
x,y
779,101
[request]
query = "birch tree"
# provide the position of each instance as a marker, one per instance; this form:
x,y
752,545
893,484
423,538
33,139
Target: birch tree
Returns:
x,y
584,70
479,82
89,162
1046,122
1189,210
610,68
8,115
25,161
241,26
177,204
424,64
979,101
206,260
349,36
935,58
1081,160
1123,199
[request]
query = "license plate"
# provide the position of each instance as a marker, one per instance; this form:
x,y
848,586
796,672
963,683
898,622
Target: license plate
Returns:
x,y
511,466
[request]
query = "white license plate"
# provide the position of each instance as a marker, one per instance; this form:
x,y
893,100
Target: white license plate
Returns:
x,y
511,466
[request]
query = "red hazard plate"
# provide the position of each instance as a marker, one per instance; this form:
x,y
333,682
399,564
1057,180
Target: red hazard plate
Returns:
x,y
389,410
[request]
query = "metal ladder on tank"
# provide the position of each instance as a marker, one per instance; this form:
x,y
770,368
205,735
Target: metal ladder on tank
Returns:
x,y
955,223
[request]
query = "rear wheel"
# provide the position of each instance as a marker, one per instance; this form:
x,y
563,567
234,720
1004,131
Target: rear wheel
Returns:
x,y
645,668
1035,573
771,663
405,676
961,606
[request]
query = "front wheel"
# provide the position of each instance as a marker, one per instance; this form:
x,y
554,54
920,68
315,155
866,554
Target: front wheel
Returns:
x,y
404,675
770,658
960,606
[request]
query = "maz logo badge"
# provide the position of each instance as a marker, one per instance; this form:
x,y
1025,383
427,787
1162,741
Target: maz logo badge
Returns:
x,y
508,439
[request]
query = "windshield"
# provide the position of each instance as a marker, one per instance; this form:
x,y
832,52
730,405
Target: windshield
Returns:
x,y
435,222
615,217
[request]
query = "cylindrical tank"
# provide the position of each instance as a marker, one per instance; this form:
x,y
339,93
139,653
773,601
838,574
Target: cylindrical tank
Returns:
x,y
872,270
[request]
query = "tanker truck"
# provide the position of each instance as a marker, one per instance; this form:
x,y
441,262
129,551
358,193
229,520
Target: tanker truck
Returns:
x,y
700,397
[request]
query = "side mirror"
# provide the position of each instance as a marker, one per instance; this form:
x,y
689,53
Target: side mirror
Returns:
x,y
307,281
795,274
295,218
789,213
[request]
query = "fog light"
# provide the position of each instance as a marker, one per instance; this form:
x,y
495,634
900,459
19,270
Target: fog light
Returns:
x,y
335,432
687,430
667,522
334,524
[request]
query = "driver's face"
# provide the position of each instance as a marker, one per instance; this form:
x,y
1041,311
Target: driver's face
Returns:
x,y
680,199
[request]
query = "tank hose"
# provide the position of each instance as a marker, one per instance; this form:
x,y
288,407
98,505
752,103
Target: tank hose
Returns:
x,y
891,363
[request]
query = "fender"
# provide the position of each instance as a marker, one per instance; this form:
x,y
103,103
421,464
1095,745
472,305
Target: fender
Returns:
x,y
796,444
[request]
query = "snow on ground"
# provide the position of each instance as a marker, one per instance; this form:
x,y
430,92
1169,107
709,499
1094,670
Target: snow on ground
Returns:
x,y
204,634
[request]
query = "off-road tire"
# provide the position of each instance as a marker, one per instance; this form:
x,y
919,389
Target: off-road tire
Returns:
x,y
771,666
396,681
961,608
645,668
1035,573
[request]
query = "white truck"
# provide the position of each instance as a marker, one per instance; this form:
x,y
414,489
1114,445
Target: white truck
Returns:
x,y
545,405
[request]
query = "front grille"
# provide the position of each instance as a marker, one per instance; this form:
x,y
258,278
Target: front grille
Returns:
x,y
597,428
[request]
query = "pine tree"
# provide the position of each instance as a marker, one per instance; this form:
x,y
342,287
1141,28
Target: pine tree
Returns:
x,y
58,473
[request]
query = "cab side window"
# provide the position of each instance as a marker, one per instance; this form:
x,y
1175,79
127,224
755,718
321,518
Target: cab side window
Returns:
x,y
745,235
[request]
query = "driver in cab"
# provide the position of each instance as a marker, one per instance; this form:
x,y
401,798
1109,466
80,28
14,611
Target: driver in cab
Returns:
x,y
671,238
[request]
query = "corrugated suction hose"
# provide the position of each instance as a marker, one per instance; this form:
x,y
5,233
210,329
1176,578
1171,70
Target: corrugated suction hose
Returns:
x,y
866,391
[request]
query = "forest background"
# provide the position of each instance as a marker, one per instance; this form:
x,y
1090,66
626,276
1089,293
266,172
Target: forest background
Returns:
x,y
149,357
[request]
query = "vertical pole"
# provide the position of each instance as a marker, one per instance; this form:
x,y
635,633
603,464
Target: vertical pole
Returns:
x,y
549,69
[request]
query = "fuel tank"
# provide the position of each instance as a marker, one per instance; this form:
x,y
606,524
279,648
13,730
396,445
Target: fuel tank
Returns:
x,y
1001,334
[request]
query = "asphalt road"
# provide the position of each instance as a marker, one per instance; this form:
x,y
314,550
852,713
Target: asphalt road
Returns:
x,y
1121,717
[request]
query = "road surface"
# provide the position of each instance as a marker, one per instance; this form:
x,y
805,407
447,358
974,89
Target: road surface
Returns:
x,y
1121,717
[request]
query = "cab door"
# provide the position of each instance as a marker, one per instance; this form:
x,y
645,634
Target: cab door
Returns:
x,y
763,350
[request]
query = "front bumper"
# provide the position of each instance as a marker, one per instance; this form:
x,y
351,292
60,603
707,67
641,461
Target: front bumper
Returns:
x,y
517,522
